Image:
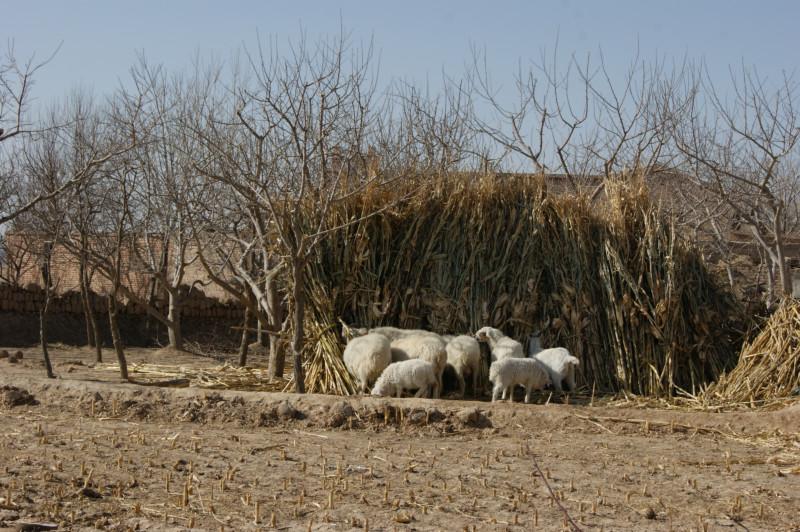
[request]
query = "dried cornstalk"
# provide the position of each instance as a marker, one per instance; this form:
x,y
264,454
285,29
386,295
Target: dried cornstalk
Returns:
x,y
627,295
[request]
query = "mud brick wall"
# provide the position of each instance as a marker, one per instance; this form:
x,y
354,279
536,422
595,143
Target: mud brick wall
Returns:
x,y
30,299
205,320
24,268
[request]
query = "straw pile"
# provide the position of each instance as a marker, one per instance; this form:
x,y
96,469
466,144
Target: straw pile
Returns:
x,y
769,366
628,297
325,369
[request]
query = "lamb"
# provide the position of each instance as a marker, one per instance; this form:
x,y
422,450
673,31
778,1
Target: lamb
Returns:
x,y
366,357
428,347
560,364
464,354
407,375
526,372
501,345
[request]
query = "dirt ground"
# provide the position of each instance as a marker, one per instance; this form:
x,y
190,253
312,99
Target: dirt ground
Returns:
x,y
87,452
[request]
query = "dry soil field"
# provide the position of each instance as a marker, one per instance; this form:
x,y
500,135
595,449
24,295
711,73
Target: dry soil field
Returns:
x,y
86,452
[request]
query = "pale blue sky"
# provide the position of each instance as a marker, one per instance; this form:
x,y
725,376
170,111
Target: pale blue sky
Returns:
x,y
414,39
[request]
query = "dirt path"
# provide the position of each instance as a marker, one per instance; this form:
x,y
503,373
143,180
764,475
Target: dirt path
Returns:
x,y
96,454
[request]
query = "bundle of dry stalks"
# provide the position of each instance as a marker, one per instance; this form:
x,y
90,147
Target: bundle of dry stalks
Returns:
x,y
633,301
769,366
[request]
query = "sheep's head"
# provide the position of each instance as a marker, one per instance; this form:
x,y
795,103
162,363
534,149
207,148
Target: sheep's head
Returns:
x,y
381,388
488,333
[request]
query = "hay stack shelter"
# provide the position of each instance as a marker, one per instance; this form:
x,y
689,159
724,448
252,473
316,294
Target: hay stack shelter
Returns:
x,y
633,301
769,366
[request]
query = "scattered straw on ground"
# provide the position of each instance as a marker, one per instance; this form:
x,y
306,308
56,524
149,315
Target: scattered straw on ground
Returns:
x,y
223,377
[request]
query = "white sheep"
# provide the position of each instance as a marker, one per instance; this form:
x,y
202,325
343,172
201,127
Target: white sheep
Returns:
x,y
429,347
501,345
464,354
407,375
560,364
509,372
366,357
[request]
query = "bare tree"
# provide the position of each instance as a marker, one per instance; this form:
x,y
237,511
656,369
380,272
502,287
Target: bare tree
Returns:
x,y
99,219
43,225
160,210
538,126
293,145
577,122
16,83
743,149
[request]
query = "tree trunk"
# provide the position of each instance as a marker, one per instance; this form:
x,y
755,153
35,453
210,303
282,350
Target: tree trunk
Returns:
x,y
43,310
784,271
90,340
277,351
115,336
175,331
98,335
243,344
277,357
299,315
260,340
43,336
769,297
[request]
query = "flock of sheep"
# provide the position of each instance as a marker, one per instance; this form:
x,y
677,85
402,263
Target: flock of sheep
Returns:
x,y
393,360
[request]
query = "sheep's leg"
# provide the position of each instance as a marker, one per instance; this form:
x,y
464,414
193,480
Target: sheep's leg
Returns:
x,y
399,392
571,378
423,391
475,382
462,385
528,393
557,385
437,390
508,393
496,392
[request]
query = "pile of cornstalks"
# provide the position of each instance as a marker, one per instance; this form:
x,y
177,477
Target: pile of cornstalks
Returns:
x,y
324,368
631,299
223,377
769,366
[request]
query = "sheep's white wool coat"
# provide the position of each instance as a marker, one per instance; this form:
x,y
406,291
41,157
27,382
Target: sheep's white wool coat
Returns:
x,y
428,347
527,372
464,354
405,375
393,333
560,364
366,357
